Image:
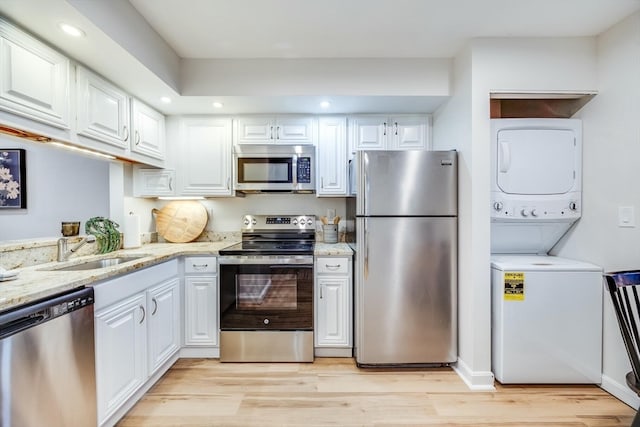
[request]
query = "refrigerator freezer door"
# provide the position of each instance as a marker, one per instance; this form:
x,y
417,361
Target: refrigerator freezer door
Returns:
x,y
406,291
407,183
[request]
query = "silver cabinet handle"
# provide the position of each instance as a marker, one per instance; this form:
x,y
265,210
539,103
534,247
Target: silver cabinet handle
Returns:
x,y
125,133
384,132
144,314
271,133
395,125
171,183
332,267
228,183
321,182
278,132
155,306
321,286
200,265
137,138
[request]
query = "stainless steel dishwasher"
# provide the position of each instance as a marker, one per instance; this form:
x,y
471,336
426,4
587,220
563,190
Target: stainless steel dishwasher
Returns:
x,y
47,363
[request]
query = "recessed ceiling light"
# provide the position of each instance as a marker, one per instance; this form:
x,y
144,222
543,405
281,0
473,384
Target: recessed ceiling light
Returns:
x,y
218,105
71,30
166,100
325,104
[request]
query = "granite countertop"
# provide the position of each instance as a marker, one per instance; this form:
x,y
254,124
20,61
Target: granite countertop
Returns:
x,y
332,249
40,281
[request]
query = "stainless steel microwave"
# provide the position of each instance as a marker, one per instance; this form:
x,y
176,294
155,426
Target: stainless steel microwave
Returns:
x,y
275,168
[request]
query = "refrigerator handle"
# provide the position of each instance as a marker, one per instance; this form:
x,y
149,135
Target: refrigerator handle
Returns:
x,y
366,249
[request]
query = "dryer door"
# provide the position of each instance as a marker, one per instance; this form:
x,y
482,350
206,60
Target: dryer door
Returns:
x,y
536,161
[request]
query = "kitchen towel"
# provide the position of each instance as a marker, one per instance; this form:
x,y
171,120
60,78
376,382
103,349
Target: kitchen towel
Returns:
x,y
132,231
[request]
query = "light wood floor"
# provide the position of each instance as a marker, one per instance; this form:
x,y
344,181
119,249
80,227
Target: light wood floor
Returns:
x,y
334,392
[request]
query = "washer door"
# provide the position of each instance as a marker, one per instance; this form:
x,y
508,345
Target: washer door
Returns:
x,y
536,161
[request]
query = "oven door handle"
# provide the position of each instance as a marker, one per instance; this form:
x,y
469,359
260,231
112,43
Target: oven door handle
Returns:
x,y
291,266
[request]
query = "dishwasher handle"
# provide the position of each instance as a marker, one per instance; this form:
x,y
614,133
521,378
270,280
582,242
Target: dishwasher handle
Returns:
x,y
30,315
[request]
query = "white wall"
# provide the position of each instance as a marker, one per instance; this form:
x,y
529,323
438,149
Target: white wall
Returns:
x,y
611,128
452,129
61,186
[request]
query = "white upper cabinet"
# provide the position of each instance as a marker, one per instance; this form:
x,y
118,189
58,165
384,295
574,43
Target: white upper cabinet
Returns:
x,y
147,131
34,79
275,130
397,132
205,157
332,156
103,110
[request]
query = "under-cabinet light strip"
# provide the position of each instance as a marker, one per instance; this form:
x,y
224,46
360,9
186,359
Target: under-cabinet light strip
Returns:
x,y
83,150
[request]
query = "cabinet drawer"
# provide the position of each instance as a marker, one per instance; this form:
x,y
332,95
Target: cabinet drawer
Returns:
x,y
332,265
200,264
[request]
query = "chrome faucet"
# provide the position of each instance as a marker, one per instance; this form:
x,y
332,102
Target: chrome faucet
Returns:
x,y
64,253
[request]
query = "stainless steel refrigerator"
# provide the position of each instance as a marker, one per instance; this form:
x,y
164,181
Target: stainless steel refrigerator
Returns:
x,y
406,257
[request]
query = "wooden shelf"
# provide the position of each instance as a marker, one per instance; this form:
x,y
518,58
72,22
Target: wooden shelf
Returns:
x,y
511,105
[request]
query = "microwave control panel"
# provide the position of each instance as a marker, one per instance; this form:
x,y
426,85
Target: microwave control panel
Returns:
x,y
304,170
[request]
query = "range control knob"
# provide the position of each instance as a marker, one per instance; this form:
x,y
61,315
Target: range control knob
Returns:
x,y
497,206
573,206
265,321
534,212
309,222
246,221
254,221
295,221
524,212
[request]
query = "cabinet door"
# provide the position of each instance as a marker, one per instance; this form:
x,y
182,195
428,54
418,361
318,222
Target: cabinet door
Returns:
x,y
333,323
201,311
255,130
332,157
103,110
147,131
205,157
368,133
153,182
34,79
294,130
409,133
121,348
163,304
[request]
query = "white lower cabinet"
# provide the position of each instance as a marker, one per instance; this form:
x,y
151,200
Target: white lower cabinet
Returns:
x,y
137,332
121,346
333,307
163,331
201,307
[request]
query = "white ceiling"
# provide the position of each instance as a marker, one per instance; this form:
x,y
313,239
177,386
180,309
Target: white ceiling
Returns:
x,y
239,29
365,28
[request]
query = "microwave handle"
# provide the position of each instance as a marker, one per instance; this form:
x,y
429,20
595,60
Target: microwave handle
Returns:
x,y
294,172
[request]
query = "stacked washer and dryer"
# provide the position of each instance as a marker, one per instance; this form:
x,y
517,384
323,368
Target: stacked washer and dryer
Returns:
x,y
546,310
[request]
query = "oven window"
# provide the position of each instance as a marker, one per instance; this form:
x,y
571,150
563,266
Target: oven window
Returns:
x,y
265,170
266,291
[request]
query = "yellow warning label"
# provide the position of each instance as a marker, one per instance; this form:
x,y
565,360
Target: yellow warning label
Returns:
x,y
514,286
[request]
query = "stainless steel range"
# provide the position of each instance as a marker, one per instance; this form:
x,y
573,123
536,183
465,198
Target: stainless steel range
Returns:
x,y
266,291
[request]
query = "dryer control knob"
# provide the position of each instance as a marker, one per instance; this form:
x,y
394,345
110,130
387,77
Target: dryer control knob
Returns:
x,y
573,206
534,212
497,206
524,212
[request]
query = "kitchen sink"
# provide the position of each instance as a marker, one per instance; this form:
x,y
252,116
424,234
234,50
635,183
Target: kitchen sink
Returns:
x,y
97,264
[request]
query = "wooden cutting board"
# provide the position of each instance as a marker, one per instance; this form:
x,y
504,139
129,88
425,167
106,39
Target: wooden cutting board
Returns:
x,y
181,221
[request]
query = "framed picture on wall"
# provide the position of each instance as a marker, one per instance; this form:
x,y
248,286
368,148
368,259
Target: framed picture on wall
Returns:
x,y
13,179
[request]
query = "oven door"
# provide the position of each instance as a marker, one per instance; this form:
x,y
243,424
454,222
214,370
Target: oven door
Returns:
x,y
266,293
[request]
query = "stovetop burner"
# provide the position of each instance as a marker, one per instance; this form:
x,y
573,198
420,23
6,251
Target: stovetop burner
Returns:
x,y
275,235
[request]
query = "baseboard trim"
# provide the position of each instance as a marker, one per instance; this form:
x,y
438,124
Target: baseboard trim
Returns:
x,y
332,352
620,391
200,352
475,380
